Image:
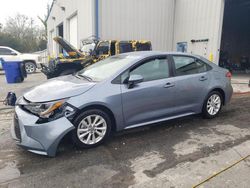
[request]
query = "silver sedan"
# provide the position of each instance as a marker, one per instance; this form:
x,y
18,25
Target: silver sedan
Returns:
x,y
121,92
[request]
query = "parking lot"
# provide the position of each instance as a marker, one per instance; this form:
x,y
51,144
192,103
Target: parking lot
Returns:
x,y
179,153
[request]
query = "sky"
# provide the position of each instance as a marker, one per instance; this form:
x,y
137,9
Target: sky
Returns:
x,y
31,8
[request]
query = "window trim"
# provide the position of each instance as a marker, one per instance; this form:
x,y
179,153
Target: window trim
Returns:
x,y
117,80
9,50
109,47
189,56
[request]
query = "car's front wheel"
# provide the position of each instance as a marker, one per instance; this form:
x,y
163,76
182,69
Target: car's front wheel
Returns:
x,y
212,105
92,128
30,67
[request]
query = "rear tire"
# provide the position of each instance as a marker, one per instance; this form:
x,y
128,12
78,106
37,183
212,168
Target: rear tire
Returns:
x,y
30,67
92,128
212,105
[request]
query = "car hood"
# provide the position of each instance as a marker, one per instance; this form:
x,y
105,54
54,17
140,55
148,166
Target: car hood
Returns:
x,y
58,88
67,47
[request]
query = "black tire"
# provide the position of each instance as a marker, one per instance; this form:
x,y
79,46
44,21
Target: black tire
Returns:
x,y
74,134
205,111
67,72
30,67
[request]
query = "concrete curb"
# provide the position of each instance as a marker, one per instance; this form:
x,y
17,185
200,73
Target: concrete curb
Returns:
x,y
241,93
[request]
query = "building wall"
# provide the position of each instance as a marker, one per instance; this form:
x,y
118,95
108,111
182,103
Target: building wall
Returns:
x,y
138,19
199,19
164,22
84,9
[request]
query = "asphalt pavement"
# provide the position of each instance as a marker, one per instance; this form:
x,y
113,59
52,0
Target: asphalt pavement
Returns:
x,y
178,153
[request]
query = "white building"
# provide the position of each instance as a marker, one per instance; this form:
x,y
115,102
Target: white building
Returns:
x,y
194,26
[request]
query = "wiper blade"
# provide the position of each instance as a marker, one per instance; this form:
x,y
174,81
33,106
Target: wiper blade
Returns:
x,y
85,77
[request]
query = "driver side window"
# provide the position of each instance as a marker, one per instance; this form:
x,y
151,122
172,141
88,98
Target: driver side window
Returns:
x,y
103,48
5,51
154,69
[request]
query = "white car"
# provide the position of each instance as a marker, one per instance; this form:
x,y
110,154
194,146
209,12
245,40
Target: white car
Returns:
x,y
32,61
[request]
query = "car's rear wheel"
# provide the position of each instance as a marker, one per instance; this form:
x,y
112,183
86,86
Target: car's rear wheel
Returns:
x,y
30,67
212,105
92,128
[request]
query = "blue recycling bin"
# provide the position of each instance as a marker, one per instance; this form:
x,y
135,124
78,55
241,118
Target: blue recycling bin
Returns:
x,y
12,71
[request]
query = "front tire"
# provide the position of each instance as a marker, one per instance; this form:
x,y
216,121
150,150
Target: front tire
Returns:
x,y
92,128
212,105
30,67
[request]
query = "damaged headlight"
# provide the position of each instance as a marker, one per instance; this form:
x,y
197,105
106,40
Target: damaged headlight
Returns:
x,y
51,110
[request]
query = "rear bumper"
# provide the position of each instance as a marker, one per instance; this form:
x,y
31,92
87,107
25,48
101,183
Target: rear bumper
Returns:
x,y
38,138
228,94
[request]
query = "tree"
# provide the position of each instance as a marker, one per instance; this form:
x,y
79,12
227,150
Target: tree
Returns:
x,y
8,40
44,20
22,31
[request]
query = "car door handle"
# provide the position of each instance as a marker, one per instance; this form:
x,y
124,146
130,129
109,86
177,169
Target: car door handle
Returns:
x,y
168,85
203,78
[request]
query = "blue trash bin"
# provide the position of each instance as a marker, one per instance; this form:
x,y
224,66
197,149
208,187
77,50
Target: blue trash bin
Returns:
x,y
12,71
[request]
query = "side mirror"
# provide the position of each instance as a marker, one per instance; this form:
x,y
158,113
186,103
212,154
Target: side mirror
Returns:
x,y
133,80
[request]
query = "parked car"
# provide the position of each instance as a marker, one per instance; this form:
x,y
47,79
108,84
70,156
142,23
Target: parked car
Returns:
x,y
74,60
121,92
32,61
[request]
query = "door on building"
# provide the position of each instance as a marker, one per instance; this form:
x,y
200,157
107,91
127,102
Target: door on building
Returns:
x,y
73,28
235,42
182,47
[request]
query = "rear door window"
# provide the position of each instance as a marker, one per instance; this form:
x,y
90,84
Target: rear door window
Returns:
x,y
185,65
125,47
143,46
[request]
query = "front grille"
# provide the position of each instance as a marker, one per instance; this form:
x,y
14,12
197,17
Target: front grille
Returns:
x,y
17,128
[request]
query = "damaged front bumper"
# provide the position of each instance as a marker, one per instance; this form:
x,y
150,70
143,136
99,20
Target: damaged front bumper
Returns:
x,y
38,138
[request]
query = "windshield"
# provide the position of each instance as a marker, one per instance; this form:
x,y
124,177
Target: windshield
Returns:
x,y
105,68
87,48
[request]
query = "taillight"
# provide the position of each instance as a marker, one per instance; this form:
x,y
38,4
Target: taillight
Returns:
x,y
229,75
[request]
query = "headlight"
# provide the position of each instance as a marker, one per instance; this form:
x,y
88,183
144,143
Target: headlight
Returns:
x,y
51,110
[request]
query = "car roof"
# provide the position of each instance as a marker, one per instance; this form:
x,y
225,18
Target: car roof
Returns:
x,y
144,54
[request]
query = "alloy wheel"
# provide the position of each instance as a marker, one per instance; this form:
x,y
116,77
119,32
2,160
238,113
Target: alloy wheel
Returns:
x,y
92,129
213,104
30,67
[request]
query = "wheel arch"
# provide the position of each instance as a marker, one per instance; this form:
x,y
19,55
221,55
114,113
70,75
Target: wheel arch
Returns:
x,y
99,107
30,60
221,91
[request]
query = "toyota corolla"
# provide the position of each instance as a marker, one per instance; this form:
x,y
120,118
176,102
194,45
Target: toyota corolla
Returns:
x,y
121,92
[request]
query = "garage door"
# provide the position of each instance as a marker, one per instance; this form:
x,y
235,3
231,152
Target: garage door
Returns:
x,y
73,31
